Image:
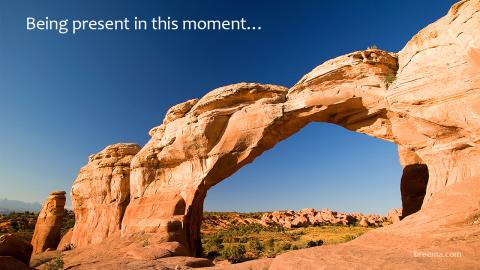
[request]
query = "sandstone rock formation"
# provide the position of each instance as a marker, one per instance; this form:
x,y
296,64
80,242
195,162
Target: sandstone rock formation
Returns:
x,y
436,96
140,251
232,125
10,263
66,241
101,193
440,236
413,184
15,247
394,215
425,98
291,219
430,110
49,223
311,217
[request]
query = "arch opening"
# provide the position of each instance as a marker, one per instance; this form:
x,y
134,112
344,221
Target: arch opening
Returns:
x,y
413,186
414,177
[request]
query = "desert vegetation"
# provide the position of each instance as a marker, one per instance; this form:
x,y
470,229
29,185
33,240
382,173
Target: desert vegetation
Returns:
x,y
389,79
241,242
23,224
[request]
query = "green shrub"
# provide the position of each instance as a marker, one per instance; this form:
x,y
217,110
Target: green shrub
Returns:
x,y
234,253
14,225
68,221
55,264
314,243
282,246
213,245
270,243
372,47
255,247
243,239
349,237
389,79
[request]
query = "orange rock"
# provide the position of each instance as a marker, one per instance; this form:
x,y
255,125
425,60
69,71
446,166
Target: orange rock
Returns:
x,y
101,193
149,251
13,246
394,215
49,223
11,263
310,217
66,242
424,98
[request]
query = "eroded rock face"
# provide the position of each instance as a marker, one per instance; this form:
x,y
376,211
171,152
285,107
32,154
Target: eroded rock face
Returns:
x,y
232,125
425,99
394,215
101,193
66,241
435,99
49,223
172,173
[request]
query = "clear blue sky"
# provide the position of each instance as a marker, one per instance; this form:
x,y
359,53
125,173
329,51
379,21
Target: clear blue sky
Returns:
x,y
64,97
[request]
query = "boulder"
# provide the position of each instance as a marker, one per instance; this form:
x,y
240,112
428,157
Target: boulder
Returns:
x,y
363,222
11,263
394,215
300,221
13,246
42,259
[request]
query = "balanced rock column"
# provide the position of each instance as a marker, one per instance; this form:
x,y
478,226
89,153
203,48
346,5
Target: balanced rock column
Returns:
x,y
101,193
49,223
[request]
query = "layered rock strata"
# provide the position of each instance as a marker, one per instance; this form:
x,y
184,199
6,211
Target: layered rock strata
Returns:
x,y
101,193
49,223
425,99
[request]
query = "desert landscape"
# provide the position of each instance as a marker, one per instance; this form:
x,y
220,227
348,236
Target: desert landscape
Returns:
x,y
141,207
227,237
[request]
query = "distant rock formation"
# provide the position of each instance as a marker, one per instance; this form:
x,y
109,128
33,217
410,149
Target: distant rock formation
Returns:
x,y
291,219
49,223
311,217
424,98
101,193
395,215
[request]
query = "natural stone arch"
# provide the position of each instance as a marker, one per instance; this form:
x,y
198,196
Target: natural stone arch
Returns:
x,y
202,142
431,111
